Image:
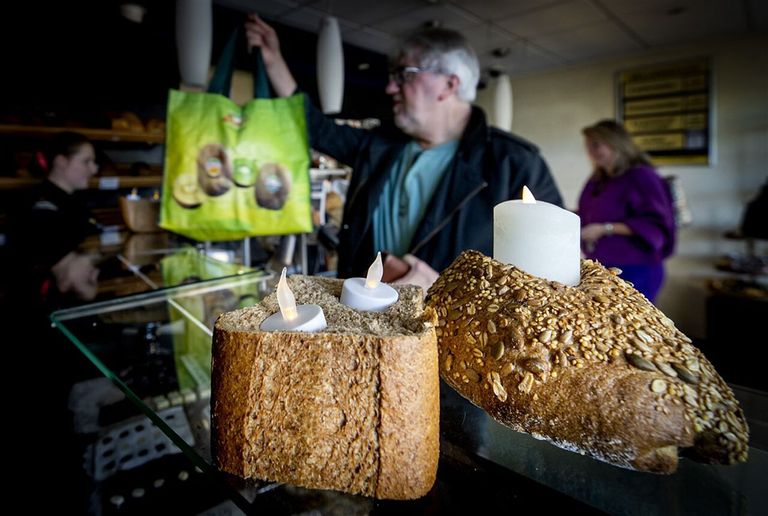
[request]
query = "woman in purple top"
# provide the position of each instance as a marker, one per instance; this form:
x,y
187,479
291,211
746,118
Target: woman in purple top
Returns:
x,y
627,216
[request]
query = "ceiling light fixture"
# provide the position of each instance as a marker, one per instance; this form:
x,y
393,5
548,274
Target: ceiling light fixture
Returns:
x,y
330,66
194,37
501,89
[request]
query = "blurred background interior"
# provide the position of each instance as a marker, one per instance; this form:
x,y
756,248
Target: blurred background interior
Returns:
x,y
105,68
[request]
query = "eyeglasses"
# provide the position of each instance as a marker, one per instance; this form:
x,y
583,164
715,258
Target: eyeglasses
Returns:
x,y
403,74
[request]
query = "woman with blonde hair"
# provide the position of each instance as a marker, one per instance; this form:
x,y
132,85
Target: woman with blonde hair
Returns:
x,y
626,210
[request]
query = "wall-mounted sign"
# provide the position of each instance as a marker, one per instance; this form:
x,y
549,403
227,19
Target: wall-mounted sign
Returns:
x,y
666,109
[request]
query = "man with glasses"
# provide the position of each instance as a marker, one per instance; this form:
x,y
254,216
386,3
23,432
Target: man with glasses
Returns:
x,y
428,195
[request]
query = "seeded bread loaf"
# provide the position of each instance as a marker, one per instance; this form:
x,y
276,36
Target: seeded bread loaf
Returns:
x,y
594,368
353,408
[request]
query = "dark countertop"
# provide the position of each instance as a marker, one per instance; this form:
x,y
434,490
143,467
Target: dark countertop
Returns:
x,y
146,342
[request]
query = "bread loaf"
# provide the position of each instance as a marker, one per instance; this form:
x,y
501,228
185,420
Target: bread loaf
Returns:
x,y
594,368
353,408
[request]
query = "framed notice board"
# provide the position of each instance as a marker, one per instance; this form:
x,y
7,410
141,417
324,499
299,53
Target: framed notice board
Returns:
x,y
666,109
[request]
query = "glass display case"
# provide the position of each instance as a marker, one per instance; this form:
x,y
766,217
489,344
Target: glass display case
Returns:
x,y
155,347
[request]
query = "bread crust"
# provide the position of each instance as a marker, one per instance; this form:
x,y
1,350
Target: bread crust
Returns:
x,y
410,416
594,368
330,410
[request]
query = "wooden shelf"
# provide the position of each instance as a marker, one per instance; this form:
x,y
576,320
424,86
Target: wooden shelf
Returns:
x,y
106,135
126,181
97,183
11,183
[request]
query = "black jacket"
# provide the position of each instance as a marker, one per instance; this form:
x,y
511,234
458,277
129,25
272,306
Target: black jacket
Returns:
x,y
49,224
490,166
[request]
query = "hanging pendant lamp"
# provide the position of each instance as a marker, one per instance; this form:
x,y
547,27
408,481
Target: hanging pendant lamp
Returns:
x,y
330,66
194,33
502,102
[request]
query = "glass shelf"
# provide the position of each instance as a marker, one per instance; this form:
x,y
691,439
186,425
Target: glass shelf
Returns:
x,y
156,347
138,262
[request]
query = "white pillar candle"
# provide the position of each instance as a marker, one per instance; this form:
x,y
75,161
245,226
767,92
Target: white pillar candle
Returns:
x,y
290,317
369,293
540,238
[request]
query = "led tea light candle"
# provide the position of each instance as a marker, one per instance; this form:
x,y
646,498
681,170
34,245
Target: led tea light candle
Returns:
x,y
133,196
291,317
369,294
538,237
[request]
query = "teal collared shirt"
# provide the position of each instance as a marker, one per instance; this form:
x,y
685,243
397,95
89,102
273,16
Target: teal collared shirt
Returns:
x,y
412,181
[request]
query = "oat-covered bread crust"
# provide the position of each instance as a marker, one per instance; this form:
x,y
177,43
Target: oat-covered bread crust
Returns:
x,y
354,408
594,368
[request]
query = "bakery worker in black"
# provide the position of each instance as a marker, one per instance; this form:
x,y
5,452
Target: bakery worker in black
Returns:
x,y
46,232
49,272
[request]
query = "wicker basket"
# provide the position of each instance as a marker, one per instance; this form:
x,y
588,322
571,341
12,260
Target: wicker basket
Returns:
x,y
140,215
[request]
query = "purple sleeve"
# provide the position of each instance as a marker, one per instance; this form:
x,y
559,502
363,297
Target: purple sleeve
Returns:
x,y
650,214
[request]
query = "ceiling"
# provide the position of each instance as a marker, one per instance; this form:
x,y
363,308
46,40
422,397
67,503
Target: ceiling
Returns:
x,y
529,35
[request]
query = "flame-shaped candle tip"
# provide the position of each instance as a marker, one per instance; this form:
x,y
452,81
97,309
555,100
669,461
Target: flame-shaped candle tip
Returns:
x,y
285,298
375,272
528,197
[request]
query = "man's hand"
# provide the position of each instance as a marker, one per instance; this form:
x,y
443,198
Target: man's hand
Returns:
x,y
262,36
394,268
420,274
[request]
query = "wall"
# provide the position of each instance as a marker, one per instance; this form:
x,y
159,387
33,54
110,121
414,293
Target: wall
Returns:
x,y
550,109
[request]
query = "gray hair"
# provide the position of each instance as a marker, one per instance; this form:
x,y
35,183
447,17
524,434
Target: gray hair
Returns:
x,y
445,51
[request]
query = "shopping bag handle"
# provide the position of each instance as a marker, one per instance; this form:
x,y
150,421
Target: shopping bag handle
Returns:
x,y
221,82
260,81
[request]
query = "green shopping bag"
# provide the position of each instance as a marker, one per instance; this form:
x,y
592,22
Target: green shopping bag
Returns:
x,y
230,171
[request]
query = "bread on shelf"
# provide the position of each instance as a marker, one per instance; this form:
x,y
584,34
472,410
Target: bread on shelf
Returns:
x,y
127,121
594,368
353,408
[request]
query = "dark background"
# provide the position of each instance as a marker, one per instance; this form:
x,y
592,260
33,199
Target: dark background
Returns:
x,y
69,63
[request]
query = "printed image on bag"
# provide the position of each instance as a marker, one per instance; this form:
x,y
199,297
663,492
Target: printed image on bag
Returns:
x,y
214,172
233,172
273,186
187,192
